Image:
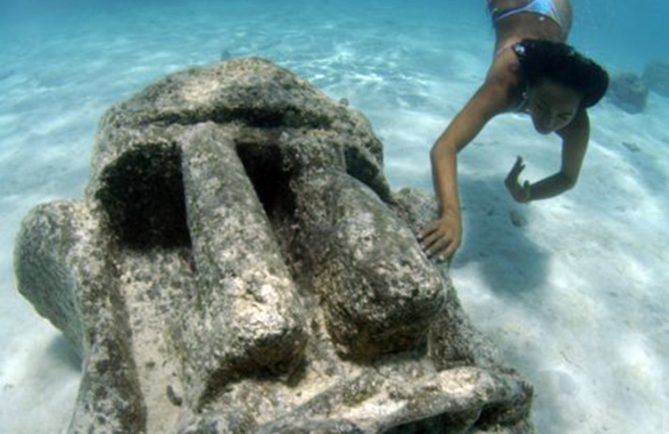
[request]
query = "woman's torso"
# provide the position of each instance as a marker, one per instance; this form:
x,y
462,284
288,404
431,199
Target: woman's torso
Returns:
x,y
530,24
515,27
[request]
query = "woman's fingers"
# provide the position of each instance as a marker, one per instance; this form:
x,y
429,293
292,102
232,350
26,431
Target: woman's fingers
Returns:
x,y
518,167
512,177
519,192
430,234
438,247
444,249
526,191
429,229
450,251
431,239
440,238
438,244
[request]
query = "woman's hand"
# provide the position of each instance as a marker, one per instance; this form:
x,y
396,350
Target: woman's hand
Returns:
x,y
521,193
442,237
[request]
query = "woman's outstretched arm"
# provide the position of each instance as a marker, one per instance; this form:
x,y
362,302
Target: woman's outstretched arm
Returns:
x,y
442,237
575,138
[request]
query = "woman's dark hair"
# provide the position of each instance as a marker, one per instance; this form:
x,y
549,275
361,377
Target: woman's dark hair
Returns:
x,y
563,64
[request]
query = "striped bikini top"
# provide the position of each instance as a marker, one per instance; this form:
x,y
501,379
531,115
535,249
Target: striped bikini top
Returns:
x,y
544,8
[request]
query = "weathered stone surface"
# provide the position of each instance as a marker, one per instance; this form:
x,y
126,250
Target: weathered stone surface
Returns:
x,y
656,77
628,92
380,292
239,265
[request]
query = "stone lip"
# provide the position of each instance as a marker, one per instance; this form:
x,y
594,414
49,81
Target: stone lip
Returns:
x,y
239,264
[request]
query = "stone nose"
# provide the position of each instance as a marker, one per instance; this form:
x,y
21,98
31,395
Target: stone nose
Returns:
x,y
248,309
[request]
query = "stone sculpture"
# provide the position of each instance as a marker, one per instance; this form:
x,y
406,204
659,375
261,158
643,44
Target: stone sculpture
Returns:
x,y
656,77
628,92
239,264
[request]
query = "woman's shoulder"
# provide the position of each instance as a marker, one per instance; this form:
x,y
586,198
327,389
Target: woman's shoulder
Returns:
x,y
506,77
505,64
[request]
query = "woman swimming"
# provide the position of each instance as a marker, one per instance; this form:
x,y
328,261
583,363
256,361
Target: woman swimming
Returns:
x,y
533,71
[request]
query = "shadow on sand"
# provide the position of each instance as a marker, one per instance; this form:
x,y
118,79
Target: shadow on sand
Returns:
x,y
61,350
510,262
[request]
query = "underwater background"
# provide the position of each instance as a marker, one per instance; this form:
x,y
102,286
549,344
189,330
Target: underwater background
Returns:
x,y
576,296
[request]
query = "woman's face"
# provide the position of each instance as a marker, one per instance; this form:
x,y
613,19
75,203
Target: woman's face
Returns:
x,y
552,106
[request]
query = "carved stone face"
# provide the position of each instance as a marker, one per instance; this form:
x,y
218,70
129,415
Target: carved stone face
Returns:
x,y
240,258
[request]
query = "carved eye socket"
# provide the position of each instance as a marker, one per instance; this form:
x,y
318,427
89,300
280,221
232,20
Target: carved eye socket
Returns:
x,y
143,195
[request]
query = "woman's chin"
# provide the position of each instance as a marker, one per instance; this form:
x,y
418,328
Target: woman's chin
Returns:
x,y
542,130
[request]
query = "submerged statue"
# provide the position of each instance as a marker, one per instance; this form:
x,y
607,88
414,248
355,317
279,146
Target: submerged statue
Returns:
x,y
239,264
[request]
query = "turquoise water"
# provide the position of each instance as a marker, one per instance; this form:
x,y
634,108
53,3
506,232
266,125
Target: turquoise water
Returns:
x,y
576,299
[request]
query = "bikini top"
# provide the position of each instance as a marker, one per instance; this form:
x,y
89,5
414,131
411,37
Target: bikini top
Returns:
x,y
544,8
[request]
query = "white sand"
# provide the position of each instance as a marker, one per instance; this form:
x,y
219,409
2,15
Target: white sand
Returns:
x,y
576,299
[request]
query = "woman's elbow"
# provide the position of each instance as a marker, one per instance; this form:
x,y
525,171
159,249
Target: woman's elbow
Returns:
x,y
441,149
434,152
569,181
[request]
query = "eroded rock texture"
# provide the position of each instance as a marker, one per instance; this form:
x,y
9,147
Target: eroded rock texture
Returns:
x,y
239,265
